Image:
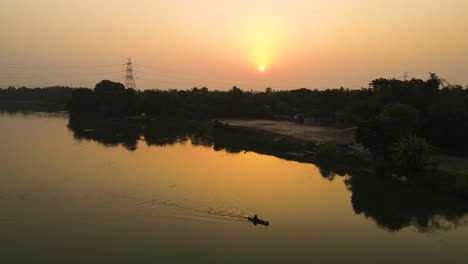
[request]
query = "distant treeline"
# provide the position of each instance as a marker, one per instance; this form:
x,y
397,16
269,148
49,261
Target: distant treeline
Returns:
x,y
430,110
427,109
58,94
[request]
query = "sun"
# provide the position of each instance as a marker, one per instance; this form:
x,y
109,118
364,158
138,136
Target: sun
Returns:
x,y
261,68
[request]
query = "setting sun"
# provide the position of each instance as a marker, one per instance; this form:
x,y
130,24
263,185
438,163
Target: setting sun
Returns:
x,y
261,68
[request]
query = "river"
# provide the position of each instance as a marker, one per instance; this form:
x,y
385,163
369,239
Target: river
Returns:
x,y
84,194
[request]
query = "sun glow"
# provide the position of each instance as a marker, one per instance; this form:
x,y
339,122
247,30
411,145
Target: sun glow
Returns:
x,y
261,68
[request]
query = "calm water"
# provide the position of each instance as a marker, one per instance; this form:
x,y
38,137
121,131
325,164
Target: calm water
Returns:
x,y
71,193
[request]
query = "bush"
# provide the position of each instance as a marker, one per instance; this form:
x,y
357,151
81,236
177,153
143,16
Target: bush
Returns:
x,y
327,152
411,154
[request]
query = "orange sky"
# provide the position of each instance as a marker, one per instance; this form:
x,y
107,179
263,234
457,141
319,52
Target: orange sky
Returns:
x,y
218,44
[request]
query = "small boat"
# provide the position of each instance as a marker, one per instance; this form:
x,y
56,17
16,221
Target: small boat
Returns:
x,y
257,221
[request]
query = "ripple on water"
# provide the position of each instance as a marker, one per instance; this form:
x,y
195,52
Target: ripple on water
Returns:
x,y
206,208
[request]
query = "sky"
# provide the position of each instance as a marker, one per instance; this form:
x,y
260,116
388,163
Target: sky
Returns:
x,y
180,44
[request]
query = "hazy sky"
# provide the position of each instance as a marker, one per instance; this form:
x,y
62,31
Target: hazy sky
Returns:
x,y
218,44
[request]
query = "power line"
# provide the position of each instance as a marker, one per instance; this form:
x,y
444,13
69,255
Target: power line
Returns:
x,y
162,72
54,66
75,84
161,75
34,75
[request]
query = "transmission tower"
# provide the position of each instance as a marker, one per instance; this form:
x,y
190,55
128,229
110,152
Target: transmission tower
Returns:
x,y
405,76
129,79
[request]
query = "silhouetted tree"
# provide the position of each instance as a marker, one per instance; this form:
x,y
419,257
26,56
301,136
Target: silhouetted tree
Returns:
x,y
381,132
410,155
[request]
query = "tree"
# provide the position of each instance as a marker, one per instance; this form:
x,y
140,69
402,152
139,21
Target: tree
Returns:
x,y
411,154
399,120
381,132
108,86
369,134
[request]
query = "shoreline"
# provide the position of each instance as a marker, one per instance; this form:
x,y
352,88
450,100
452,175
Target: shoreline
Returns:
x,y
447,174
289,141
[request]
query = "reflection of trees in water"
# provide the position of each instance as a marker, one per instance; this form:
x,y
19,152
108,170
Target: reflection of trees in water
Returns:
x,y
330,173
391,205
169,133
395,206
112,133
11,111
108,133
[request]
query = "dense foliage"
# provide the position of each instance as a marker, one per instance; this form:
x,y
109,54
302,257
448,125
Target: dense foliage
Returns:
x,y
411,154
380,132
384,112
107,99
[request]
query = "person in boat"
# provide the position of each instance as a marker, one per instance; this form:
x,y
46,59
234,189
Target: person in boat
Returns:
x,y
255,218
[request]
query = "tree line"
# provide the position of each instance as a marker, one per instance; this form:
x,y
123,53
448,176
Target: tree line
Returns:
x,y
384,112
56,94
399,122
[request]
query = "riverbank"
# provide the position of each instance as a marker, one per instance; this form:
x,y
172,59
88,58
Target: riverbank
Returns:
x,y
343,159
306,133
445,173
332,149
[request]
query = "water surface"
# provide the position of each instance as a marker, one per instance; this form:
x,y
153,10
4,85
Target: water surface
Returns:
x,y
93,194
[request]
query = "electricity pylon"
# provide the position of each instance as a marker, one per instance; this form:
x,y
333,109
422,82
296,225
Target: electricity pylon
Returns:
x,y
405,76
129,79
